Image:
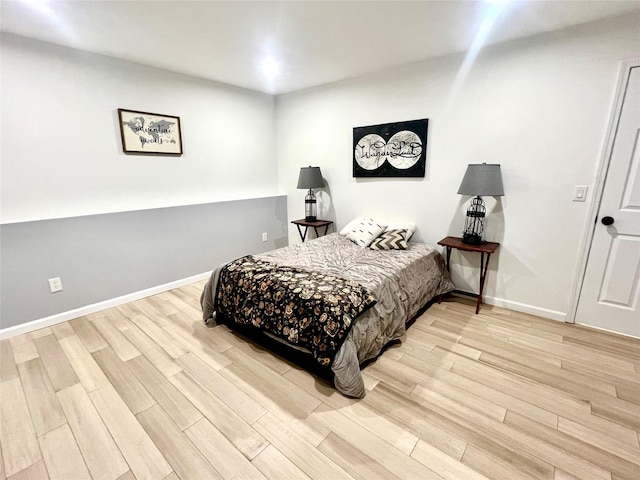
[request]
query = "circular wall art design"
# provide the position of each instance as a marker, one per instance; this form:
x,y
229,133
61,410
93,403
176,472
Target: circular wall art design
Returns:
x,y
390,149
404,149
370,153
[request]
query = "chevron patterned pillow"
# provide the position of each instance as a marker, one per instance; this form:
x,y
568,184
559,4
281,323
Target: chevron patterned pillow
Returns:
x,y
391,240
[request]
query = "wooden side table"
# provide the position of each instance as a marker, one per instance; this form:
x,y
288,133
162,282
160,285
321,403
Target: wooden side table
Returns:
x,y
315,224
486,248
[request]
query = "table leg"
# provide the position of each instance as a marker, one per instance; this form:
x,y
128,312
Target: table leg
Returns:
x,y
300,232
448,255
484,266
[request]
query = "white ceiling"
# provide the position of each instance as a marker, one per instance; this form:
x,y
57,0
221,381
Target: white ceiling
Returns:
x,y
314,42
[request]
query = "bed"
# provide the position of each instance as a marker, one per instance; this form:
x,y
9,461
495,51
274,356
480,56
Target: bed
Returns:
x,y
356,298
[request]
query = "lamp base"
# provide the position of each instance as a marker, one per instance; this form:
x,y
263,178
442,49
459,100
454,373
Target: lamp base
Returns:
x,y
310,207
472,239
474,222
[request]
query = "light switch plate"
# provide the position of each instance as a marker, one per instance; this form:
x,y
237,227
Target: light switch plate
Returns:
x,y
580,193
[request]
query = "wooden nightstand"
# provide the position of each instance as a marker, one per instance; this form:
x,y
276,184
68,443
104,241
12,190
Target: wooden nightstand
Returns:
x,y
486,248
315,224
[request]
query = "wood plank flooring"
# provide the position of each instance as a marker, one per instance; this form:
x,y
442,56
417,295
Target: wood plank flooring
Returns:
x,y
146,391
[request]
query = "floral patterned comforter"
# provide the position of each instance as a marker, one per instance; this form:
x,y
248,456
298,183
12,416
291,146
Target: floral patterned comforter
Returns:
x,y
308,309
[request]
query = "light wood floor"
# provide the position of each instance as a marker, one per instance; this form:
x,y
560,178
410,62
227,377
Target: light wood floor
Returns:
x,y
146,391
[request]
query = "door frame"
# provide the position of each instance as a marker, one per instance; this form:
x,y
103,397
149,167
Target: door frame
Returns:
x,y
603,168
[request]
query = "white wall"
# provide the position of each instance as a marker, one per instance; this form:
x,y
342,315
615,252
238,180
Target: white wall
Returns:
x,y
61,150
63,167
539,107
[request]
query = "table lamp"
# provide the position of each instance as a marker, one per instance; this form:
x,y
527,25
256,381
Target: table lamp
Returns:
x,y
310,178
479,179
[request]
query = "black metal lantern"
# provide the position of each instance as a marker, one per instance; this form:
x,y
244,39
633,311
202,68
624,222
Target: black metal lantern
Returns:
x,y
479,179
474,222
310,207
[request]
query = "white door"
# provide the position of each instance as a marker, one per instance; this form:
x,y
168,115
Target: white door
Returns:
x,y
611,289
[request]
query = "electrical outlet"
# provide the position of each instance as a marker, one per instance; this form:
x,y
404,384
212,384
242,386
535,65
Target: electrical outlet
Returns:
x,y
265,237
55,285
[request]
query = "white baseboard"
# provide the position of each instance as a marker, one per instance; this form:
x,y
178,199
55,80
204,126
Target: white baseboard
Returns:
x,y
114,302
97,307
526,308
521,307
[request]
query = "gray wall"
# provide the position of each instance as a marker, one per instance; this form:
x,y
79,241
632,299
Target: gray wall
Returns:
x,y
101,257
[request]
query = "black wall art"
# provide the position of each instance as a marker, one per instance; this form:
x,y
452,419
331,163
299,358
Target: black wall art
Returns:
x,y
391,149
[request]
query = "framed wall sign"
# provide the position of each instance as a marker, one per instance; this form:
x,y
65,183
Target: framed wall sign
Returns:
x,y
391,149
145,133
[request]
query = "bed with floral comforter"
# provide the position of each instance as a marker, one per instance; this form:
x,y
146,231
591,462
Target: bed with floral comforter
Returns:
x,y
338,301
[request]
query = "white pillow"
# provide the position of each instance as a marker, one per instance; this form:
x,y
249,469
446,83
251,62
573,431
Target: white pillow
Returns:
x,y
410,227
366,232
351,225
